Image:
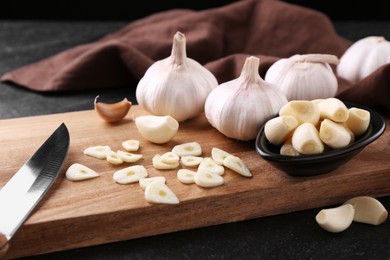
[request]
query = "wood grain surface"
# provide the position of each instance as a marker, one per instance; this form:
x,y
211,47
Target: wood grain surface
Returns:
x,y
98,211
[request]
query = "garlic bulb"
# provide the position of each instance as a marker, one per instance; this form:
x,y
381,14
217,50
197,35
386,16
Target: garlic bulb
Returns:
x,y
363,57
177,85
305,77
238,108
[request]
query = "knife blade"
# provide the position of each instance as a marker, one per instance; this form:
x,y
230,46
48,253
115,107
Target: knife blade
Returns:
x,y
30,183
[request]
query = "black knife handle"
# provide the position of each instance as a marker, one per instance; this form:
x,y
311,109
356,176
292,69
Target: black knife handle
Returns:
x,y
3,245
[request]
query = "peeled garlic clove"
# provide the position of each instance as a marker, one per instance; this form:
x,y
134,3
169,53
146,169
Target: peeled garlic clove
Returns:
x,y
131,145
306,139
157,129
368,210
113,112
130,174
278,129
333,109
358,120
79,172
177,85
191,148
143,182
99,151
158,192
209,165
288,149
364,57
186,176
238,108
337,219
305,77
304,111
335,135
208,179
237,165
219,155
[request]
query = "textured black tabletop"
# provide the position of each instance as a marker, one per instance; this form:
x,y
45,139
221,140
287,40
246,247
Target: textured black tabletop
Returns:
x,y
288,236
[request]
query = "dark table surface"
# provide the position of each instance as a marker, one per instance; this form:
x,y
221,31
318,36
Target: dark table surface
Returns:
x,y
289,236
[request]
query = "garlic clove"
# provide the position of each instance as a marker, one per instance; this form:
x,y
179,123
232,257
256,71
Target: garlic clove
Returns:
x,y
358,120
336,219
306,139
157,129
368,210
238,108
304,111
333,134
177,85
278,129
113,112
333,109
288,149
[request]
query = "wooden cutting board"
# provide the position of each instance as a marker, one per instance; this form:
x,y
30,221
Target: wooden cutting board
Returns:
x,y
97,211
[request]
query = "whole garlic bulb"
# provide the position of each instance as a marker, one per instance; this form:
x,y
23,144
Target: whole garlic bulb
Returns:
x,y
177,85
238,108
305,77
363,57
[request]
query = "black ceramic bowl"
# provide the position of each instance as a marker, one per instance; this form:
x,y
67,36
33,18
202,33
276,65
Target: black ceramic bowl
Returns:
x,y
309,165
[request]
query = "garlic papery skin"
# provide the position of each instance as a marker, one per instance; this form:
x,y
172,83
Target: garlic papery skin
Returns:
x,y
177,85
363,57
239,107
305,77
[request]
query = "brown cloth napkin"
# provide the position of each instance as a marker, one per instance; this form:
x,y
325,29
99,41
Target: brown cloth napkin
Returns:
x,y
219,38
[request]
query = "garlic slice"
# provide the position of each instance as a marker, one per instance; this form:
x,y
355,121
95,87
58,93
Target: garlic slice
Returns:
x,y
358,120
113,158
186,176
112,112
305,77
157,129
219,155
191,148
209,165
336,219
190,160
158,192
335,135
177,85
306,139
131,145
129,157
160,165
368,210
208,179
170,158
278,129
79,172
237,165
238,108
130,174
99,151
143,182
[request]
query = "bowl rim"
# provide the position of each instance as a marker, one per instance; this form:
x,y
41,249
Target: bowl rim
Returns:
x,y
375,129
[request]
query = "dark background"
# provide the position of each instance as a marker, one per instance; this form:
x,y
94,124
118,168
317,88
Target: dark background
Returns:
x,y
131,10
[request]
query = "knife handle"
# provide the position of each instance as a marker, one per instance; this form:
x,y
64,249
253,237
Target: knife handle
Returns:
x,y
3,245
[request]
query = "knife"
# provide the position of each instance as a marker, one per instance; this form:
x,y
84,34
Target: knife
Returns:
x,y
24,190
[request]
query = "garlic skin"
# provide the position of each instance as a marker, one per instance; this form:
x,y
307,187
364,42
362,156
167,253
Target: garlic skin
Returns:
x,y
239,107
363,57
177,85
113,112
305,77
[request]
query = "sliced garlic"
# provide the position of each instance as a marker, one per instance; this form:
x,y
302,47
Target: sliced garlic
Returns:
x,y
368,210
219,155
305,77
131,145
333,109
99,151
363,57
333,134
190,160
177,85
79,172
304,111
158,192
157,129
236,164
160,165
238,108
143,182
130,174
170,158
208,179
113,112
209,165
358,120
129,157
113,158
278,129
306,139
186,176
336,219
191,148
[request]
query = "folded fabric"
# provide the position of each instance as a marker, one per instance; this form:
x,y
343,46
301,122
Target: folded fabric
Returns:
x,y
219,38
